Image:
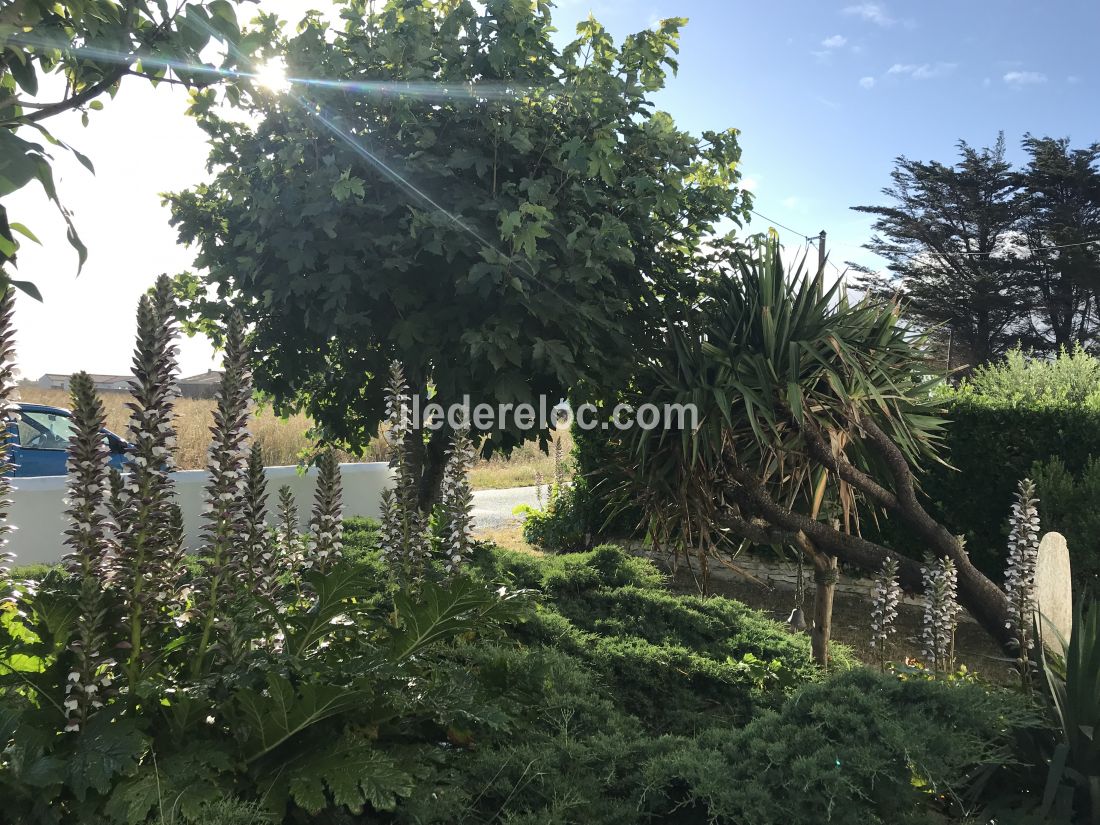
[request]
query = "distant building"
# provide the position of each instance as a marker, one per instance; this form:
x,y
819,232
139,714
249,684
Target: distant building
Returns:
x,y
103,383
204,385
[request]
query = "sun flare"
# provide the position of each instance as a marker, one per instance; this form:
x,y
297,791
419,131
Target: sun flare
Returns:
x,y
272,75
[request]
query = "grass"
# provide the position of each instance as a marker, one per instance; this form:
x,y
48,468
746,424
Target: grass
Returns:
x,y
526,466
285,441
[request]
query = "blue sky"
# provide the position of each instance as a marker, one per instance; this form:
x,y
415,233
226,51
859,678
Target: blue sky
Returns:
x,y
826,95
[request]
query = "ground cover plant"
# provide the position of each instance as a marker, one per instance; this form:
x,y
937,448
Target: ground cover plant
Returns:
x,y
398,672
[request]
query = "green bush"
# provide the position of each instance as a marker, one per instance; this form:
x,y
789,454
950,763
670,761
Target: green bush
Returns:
x,y
625,703
1070,504
859,748
1003,421
559,527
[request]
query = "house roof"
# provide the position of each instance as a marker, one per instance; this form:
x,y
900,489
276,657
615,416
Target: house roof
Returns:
x,y
97,378
208,377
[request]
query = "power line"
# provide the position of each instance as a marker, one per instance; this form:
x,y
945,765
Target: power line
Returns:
x,y
784,226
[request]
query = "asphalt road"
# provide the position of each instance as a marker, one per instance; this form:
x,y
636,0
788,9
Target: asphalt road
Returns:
x,y
493,508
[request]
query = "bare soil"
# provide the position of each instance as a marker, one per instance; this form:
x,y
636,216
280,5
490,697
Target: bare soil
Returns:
x,y
851,626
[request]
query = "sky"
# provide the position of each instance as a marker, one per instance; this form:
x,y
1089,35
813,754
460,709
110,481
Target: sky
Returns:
x,y
826,94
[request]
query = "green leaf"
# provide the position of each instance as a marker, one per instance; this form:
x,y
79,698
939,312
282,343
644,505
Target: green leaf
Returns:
x,y
354,774
442,613
26,233
106,748
281,712
29,288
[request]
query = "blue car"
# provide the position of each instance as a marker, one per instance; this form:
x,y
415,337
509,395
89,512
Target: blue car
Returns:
x,y
38,440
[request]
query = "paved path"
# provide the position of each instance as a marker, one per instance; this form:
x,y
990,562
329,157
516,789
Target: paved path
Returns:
x,y
493,508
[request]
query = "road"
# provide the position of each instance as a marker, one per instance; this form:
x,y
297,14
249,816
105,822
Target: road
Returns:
x,y
493,508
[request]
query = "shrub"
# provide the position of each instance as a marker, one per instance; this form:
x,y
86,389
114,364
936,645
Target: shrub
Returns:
x,y
268,675
559,528
1070,504
1002,422
859,748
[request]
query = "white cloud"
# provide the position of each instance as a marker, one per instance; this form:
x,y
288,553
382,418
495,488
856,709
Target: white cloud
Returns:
x,y
871,12
1024,78
867,82
922,71
750,182
834,42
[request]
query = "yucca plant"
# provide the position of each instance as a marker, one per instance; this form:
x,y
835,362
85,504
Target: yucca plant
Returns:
x,y
813,411
1073,680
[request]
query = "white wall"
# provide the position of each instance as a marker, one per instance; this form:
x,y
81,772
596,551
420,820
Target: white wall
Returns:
x,y
38,509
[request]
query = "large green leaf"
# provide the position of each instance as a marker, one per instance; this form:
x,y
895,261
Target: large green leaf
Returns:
x,y
106,749
269,718
439,613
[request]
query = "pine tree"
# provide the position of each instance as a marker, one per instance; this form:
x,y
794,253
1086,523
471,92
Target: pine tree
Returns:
x,y
947,235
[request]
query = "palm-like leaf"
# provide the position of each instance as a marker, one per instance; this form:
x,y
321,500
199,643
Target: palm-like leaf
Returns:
x,y
770,359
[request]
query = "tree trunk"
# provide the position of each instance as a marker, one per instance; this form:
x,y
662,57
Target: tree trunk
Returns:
x,y
431,469
825,578
427,460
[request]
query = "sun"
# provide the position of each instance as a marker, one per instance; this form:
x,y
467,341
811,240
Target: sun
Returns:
x,y
272,75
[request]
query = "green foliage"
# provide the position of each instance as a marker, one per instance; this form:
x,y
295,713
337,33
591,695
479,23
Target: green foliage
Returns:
x,y
1016,418
1070,504
1073,681
93,44
494,154
235,710
846,751
1071,379
558,528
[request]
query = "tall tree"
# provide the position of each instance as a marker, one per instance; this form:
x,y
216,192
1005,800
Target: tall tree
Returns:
x,y
948,237
442,186
92,45
813,412
1059,217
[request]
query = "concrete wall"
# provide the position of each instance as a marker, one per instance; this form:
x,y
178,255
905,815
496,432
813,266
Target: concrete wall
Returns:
x,y
38,506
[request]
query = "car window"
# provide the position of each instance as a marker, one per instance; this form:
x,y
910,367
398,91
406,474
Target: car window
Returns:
x,y
39,430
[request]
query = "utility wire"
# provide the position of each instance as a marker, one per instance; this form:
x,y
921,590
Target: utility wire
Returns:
x,y
784,226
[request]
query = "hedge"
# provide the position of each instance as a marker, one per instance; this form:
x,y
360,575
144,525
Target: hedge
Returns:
x,y
990,445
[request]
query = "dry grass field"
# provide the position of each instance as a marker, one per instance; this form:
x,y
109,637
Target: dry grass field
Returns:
x,y
284,440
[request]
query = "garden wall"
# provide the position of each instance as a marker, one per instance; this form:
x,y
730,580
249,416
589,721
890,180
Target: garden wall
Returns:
x,y
38,504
